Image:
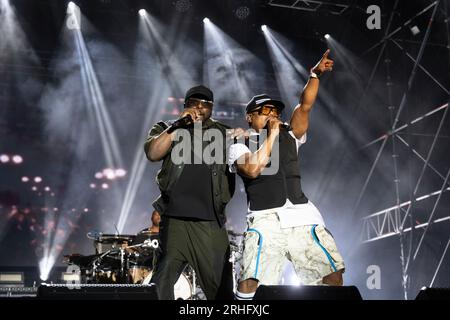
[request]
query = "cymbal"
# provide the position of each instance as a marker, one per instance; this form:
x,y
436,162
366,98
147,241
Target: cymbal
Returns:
x,y
148,232
112,238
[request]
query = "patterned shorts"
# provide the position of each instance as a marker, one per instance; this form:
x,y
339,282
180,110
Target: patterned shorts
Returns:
x,y
310,248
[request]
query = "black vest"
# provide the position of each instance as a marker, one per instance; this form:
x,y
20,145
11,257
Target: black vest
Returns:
x,y
271,191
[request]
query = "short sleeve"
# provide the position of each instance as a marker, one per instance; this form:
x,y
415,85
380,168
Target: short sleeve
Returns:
x,y
235,152
156,130
300,141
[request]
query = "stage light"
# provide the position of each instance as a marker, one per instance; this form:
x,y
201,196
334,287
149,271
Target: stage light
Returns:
x,y
93,185
86,210
120,173
34,188
37,179
99,175
109,174
25,179
327,36
415,30
4,158
105,186
45,266
183,5
242,12
264,28
142,12
206,20
47,189
17,159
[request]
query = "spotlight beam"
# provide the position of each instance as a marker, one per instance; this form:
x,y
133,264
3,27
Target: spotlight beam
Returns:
x,y
218,43
108,136
289,74
59,229
171,71
297,66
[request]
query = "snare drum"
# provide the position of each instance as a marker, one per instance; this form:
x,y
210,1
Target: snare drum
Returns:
x,y
182,288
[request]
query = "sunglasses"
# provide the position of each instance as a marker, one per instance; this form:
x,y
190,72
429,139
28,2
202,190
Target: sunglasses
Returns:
x,y
267,110
194,103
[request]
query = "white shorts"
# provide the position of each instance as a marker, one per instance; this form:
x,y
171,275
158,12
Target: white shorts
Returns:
x,y
311,249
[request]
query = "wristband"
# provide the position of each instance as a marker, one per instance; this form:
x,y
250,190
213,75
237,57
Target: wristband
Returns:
x,y
314,75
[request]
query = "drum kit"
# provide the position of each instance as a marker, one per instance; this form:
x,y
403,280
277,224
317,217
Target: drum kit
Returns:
x,y
121,259
117,260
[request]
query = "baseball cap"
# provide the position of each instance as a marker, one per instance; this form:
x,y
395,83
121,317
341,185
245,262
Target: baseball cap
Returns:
x,y
263,99
199,92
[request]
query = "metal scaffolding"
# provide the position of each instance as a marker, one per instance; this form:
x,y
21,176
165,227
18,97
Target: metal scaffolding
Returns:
x,y
311,5
388,222
397,220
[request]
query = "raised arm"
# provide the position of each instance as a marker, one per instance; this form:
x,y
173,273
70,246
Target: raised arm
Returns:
x,y
300,116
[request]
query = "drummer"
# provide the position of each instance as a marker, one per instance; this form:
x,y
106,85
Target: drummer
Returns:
x,y
150,255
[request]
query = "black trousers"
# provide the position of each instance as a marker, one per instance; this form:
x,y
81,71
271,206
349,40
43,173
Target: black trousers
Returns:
x,y
201,244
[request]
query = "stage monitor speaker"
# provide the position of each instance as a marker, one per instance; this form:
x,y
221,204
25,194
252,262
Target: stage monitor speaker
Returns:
x,y
307,293
97,292
433,294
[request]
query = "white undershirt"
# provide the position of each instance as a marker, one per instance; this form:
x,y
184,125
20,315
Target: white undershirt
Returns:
x,y
291,215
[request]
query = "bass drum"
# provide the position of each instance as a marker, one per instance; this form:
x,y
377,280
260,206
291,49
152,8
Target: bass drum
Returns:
x,y
137,274
182,288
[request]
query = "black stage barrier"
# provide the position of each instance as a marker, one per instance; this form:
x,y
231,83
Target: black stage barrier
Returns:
x,y
98,292
433,294
307,293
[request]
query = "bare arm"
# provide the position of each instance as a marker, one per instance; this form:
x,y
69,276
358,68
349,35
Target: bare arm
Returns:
x,y
300,116
160,145
252,164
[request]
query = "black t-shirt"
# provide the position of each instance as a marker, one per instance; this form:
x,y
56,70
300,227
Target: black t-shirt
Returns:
x,y
192,195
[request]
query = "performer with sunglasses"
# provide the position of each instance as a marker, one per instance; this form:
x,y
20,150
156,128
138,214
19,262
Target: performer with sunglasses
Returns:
x,y
282,222
192,202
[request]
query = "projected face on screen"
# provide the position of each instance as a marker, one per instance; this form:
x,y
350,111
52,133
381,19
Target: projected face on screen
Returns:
x,y
235,74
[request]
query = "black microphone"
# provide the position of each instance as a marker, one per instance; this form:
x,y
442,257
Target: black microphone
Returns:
x,y
286,126
181,123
